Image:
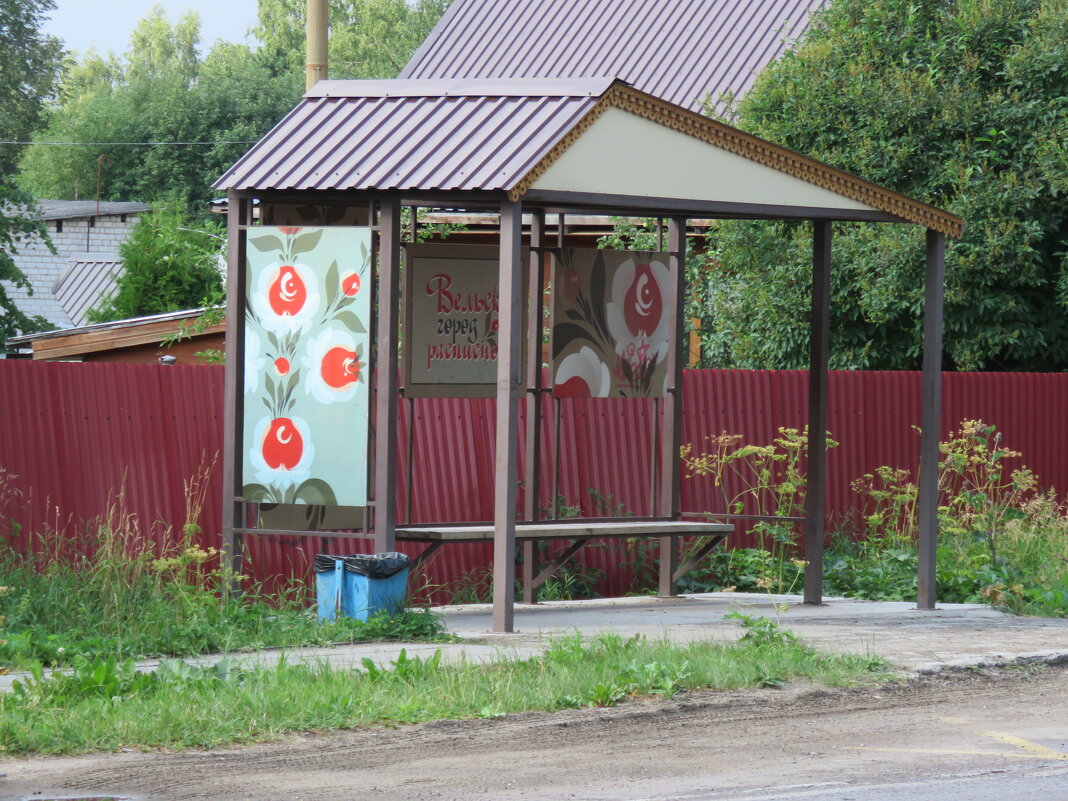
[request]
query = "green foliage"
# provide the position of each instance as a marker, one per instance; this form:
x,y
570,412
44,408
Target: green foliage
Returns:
x,y
105,705
368,38
32,63
762,631
171,262
1001,540
959,103
17,227
126,597
162,90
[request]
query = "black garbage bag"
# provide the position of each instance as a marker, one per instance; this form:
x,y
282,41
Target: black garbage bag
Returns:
x,y
324,562
378,565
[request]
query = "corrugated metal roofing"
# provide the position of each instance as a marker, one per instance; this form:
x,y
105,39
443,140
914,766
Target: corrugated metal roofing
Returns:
x,y
683,51
86,280
69,209
417,135
467,135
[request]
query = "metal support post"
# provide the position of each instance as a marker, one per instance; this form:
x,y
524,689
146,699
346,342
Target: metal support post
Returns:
x,y
505,457
820,328
668,501
238,218
930,420
531,470
386,376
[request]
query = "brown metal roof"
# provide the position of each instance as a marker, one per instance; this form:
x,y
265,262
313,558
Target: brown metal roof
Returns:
x,y
680,50
495,136
415,135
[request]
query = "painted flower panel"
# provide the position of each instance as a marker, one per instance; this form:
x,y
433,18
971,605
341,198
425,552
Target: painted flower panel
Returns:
x,y
611,324
306,400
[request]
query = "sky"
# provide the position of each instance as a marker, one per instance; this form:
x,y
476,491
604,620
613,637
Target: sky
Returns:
x,y
82,24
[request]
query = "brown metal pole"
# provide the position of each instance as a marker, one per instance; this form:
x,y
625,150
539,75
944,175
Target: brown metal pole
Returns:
x,y
237,218
672,418
508,375
531,482
386,376
554,500
819,347
409,468
930,421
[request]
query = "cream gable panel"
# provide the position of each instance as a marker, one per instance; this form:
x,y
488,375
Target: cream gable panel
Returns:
x,y
624,154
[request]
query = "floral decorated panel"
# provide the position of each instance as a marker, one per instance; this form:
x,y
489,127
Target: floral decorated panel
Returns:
x,y
307,341
611,324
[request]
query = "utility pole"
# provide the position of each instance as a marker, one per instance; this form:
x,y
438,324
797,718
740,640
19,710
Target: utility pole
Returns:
x,y
317,33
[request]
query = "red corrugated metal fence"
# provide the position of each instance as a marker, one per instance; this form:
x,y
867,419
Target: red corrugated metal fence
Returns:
x,y
75,435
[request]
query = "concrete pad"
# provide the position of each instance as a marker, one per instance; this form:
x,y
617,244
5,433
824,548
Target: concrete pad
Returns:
x,y
913,639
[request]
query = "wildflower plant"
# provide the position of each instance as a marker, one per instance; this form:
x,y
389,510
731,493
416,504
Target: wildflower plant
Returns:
x,y
766,481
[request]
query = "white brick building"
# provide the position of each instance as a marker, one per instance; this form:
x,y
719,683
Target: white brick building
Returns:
x,y
87,238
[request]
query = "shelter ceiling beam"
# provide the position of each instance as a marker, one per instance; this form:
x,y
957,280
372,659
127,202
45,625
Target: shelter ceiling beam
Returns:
x,y
593,203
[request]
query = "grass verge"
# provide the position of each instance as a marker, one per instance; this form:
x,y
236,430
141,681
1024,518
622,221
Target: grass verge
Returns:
x,y
117,590
107,706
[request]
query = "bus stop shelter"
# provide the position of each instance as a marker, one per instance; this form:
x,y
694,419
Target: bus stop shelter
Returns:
x,y
355,153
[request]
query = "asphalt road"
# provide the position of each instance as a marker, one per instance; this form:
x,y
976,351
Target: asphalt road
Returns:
x,y
964,735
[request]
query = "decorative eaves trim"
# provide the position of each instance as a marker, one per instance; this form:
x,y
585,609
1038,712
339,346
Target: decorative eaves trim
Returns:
x,y
624,97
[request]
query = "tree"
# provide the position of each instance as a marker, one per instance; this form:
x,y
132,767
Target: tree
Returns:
x,y
960,103
160,92
17,225
368,38
170,263
31,68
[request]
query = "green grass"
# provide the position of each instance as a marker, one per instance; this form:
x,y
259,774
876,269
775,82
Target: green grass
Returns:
x,y
110,591
106,706
1003,540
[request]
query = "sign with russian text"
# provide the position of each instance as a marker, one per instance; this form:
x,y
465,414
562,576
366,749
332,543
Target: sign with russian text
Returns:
x,y
452,311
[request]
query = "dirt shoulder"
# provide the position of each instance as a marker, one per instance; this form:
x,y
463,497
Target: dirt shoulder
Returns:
x,y
700,745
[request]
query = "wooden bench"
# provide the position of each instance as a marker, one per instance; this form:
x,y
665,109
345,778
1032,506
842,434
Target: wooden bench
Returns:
x,y
580,533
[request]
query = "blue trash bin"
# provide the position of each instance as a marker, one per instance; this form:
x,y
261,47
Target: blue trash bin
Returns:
x,y
359,586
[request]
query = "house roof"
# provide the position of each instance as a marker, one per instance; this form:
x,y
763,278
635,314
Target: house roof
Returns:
x,y
684,51
68,209
577,140
77,342
87,279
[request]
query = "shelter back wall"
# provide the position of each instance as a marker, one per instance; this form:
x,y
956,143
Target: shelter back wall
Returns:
x,y
72,435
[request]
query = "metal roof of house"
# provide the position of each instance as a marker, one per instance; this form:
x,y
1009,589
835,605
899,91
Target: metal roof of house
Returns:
x,y
129,322
88,279
500,136
683,51
68,209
